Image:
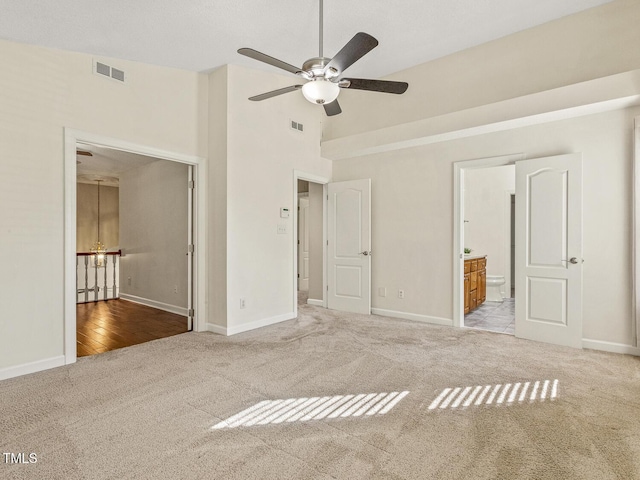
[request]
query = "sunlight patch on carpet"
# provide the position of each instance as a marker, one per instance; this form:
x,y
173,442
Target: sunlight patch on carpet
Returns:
x,y
273,412
507,394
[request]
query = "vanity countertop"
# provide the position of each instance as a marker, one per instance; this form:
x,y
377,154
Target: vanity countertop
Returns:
x,y
471,256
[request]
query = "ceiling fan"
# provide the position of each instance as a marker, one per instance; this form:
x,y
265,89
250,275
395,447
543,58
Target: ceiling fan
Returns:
x,y
323,74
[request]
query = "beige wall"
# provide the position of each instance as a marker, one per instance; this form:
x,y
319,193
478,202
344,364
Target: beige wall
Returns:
x,y
87,217
412,198
42,91
591,44
412,188
487,210
153,238
258,163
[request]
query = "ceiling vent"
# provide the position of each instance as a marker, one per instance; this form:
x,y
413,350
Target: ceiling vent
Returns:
x,y
104,70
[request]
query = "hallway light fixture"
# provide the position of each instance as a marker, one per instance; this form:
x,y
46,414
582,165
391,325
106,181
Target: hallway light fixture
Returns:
x,y
98,247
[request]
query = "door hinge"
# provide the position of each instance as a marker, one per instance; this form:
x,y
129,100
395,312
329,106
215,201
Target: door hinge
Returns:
x,y
191,184
191,312
327,288
298,275
298,242
191,248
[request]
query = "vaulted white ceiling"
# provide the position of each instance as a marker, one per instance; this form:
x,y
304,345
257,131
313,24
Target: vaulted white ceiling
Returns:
x,y
201,35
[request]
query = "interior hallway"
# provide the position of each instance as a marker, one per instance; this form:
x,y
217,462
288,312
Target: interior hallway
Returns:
x,y
104,326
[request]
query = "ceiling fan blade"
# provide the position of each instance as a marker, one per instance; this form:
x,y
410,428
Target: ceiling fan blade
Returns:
x,y
332,108
361,44
84,152
275,93
384,86
261,57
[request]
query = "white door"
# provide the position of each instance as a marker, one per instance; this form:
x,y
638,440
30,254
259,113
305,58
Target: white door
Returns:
x,y
303,243
349,246
549,249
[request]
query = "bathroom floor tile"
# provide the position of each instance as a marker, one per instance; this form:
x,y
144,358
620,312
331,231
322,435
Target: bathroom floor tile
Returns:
x,y
493,316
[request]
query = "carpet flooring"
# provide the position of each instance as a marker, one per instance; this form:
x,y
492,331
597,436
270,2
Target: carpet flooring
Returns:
x,y
203,406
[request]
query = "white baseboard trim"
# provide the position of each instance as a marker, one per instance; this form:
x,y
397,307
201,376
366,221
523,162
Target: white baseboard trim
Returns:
x,y
317,303
610,347
152,303
265,322
31,367
447,322
211,327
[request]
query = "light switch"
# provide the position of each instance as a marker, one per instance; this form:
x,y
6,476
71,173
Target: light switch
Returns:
x,y
282,228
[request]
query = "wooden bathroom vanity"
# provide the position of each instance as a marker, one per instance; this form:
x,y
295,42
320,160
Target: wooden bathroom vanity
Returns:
x,y
475,281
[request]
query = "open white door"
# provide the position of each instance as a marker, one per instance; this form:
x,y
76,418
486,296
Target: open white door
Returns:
x,y
349,246
303,244
549,249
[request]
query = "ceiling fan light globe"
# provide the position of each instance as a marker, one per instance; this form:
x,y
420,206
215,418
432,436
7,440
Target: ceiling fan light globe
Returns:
x,y
320,91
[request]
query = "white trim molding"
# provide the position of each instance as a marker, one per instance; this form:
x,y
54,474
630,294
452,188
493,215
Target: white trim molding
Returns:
x,y
610,347
447,322
315,302
245,327
635,250
32,367
217,329
154,304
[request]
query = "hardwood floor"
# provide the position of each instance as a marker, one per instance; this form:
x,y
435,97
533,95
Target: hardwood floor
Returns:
x,y
104,326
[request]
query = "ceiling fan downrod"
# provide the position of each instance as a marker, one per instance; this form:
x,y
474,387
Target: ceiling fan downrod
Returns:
x,y
321,29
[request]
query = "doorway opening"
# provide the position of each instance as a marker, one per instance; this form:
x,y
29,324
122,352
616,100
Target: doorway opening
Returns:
x,y
133,230
309,239
484,229
144,280
488,237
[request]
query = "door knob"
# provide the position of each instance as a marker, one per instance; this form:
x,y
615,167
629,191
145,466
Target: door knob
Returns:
x,y
573,260
366,253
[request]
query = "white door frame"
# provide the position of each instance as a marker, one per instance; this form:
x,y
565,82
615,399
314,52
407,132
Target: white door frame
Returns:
x,y
635,324
507,254
458,226
309,177
71,137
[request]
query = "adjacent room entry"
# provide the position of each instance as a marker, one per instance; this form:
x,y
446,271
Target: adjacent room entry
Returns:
x,y
134,249
333,245
548,245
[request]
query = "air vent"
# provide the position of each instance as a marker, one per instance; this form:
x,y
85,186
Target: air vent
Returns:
x,y
297,126
117,74
105,70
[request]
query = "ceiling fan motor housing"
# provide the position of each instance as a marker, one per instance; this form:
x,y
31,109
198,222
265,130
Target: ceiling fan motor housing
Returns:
x,y
314,68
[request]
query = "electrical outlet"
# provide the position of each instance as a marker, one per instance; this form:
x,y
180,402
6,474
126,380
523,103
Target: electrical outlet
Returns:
x,y
175,289
400,293
242,303
382,291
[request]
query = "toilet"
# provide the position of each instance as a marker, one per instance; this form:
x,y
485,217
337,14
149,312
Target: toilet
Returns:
x,y
494,282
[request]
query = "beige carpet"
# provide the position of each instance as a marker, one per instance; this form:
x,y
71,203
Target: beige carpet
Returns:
x,y
147,412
